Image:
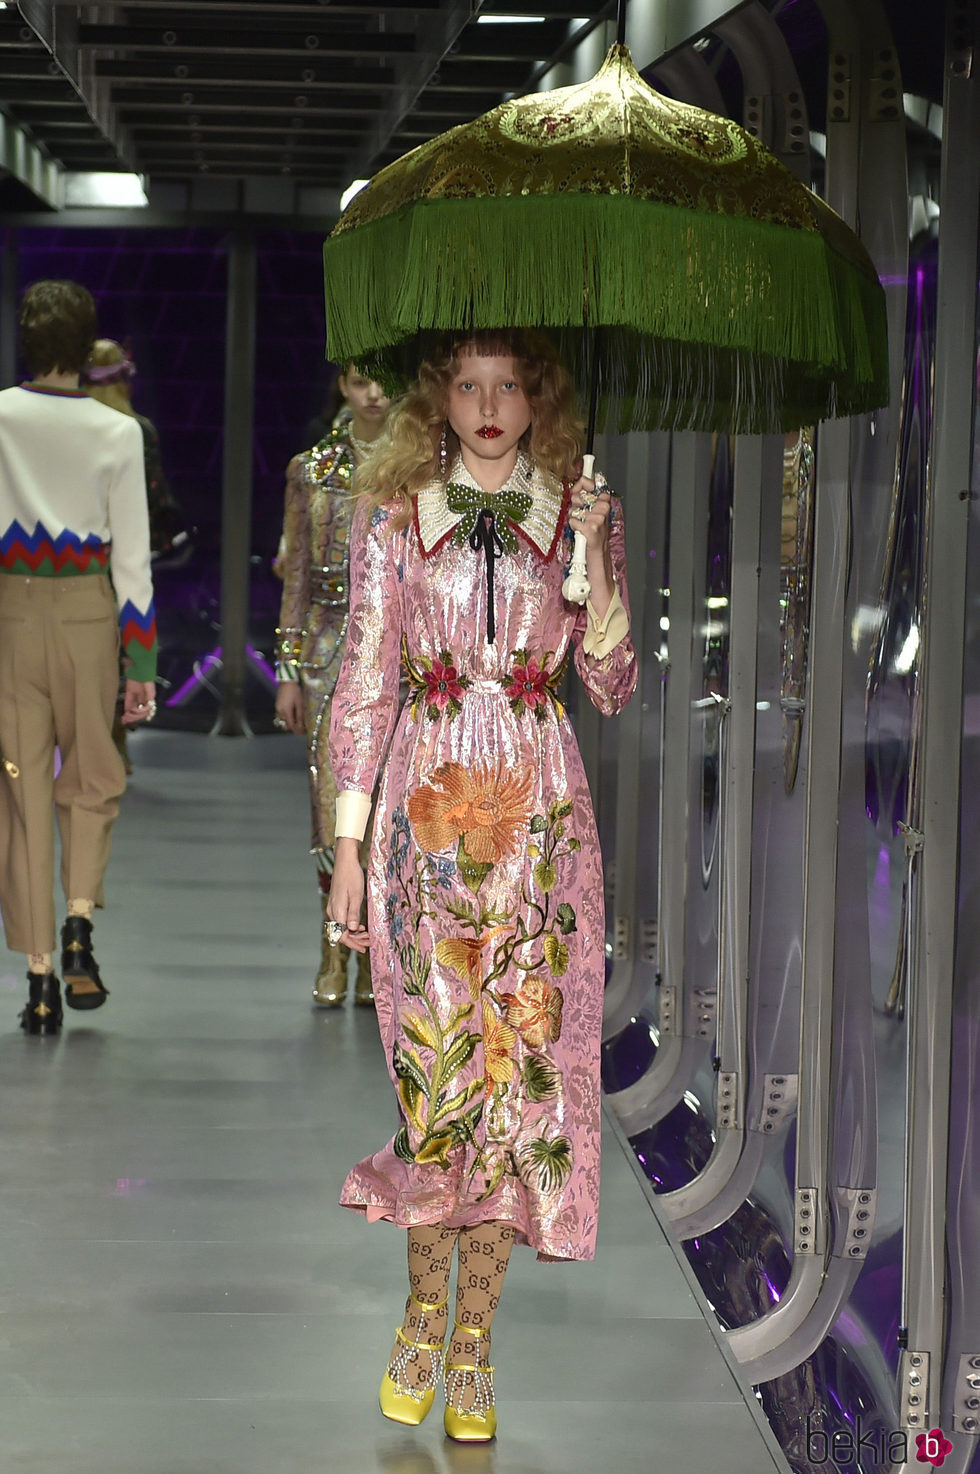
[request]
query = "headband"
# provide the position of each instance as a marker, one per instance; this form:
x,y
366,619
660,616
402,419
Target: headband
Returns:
x,y
107,373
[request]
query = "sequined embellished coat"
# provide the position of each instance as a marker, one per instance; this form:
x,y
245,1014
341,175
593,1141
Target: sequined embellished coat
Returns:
x,y
485,893
313,614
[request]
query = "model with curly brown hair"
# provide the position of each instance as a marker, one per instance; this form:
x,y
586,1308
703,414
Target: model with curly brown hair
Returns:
x,y
485,895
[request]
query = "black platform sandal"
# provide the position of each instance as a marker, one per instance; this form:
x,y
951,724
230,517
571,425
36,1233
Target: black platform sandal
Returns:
x,y
79,967
43,1012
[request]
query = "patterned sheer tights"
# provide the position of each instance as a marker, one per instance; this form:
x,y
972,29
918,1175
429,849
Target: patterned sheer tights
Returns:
x,y
484,1253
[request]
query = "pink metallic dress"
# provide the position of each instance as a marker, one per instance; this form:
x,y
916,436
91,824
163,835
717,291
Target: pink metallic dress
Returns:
x,y
485,894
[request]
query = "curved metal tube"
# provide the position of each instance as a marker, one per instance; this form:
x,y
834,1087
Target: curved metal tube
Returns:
x,y
738,779
645,469
674,1065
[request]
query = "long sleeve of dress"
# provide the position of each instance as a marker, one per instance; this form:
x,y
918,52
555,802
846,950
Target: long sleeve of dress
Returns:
x,y
609,679
365,701
295,563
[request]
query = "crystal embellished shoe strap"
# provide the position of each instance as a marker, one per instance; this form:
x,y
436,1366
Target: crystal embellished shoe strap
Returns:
x,y
460,1375
407,1353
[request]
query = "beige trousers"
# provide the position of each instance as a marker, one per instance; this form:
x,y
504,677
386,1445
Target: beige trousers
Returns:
x,y
59,641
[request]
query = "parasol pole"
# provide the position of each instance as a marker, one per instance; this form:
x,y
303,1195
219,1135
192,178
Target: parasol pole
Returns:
x,y
576,588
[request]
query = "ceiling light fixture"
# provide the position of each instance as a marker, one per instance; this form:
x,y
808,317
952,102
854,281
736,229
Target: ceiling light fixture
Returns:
x,y
84,188
355,187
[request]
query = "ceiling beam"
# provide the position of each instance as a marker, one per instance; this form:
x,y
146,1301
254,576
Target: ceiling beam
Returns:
x,y
229,41
209,99
217,70
436,36
21,159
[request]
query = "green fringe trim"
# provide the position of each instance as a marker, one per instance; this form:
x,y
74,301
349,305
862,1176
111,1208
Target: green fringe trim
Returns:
x,y
710,321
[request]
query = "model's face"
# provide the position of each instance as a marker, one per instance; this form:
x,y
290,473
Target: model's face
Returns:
x,y
487,408
367,399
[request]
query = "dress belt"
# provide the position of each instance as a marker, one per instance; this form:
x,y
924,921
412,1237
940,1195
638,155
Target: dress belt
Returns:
x,y
484,686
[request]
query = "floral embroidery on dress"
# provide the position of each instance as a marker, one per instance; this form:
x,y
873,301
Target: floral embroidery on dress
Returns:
x,y
467,1071
484,811
437,686
531,684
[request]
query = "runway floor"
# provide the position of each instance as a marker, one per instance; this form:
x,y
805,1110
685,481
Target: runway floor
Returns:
x,y
180,1293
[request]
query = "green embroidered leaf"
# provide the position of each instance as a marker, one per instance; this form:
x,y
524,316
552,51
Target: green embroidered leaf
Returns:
x,y
463,1128
420,1031
459,1100
540,1078
457,1016
560,809
459,1053
574,845
493,1182
407,1066
538,824
550,1161
472,872
556,955
401,1146
566,918
559,831
545,876
435,1147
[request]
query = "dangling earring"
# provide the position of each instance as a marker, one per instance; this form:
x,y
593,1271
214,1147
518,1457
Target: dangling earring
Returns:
x,y
443,453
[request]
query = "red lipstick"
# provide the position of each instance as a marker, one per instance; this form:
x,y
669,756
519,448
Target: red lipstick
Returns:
x,y
489,432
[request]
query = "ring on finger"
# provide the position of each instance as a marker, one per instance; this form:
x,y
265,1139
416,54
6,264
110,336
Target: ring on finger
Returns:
x,y
335,930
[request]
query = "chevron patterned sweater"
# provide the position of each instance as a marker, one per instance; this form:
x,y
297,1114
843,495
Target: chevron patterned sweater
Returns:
x,y
73,502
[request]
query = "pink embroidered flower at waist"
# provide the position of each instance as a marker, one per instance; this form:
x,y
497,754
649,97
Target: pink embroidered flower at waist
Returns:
x,y
439,685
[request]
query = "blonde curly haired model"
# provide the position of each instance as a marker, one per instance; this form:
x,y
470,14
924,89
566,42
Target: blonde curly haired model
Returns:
x,y
407,456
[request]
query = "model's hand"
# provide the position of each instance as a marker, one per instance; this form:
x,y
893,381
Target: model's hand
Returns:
x,y
289,706
589,514
347,894
139,702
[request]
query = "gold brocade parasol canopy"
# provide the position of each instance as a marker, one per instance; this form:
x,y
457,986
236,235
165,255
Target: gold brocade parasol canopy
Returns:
x,y
727,295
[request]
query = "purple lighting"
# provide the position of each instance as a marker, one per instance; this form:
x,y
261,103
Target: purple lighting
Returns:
x,y
213,660
201,668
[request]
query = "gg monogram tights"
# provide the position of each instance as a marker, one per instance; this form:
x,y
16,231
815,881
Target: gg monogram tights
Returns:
x,y
483,1254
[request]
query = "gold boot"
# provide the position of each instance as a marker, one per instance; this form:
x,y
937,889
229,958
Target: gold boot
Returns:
x,y
330,988
363,987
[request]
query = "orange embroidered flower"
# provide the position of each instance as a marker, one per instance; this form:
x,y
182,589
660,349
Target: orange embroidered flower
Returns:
x,y
487,807
498,1041
535,1009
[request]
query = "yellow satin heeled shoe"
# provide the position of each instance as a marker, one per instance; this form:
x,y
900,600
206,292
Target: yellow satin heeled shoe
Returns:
x,y
478,1424
397,1400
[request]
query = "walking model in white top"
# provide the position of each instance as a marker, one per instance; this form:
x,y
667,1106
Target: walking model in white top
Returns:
x,y
74,583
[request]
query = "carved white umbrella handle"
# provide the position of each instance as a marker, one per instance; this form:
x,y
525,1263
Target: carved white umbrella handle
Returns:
x,y
576,588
